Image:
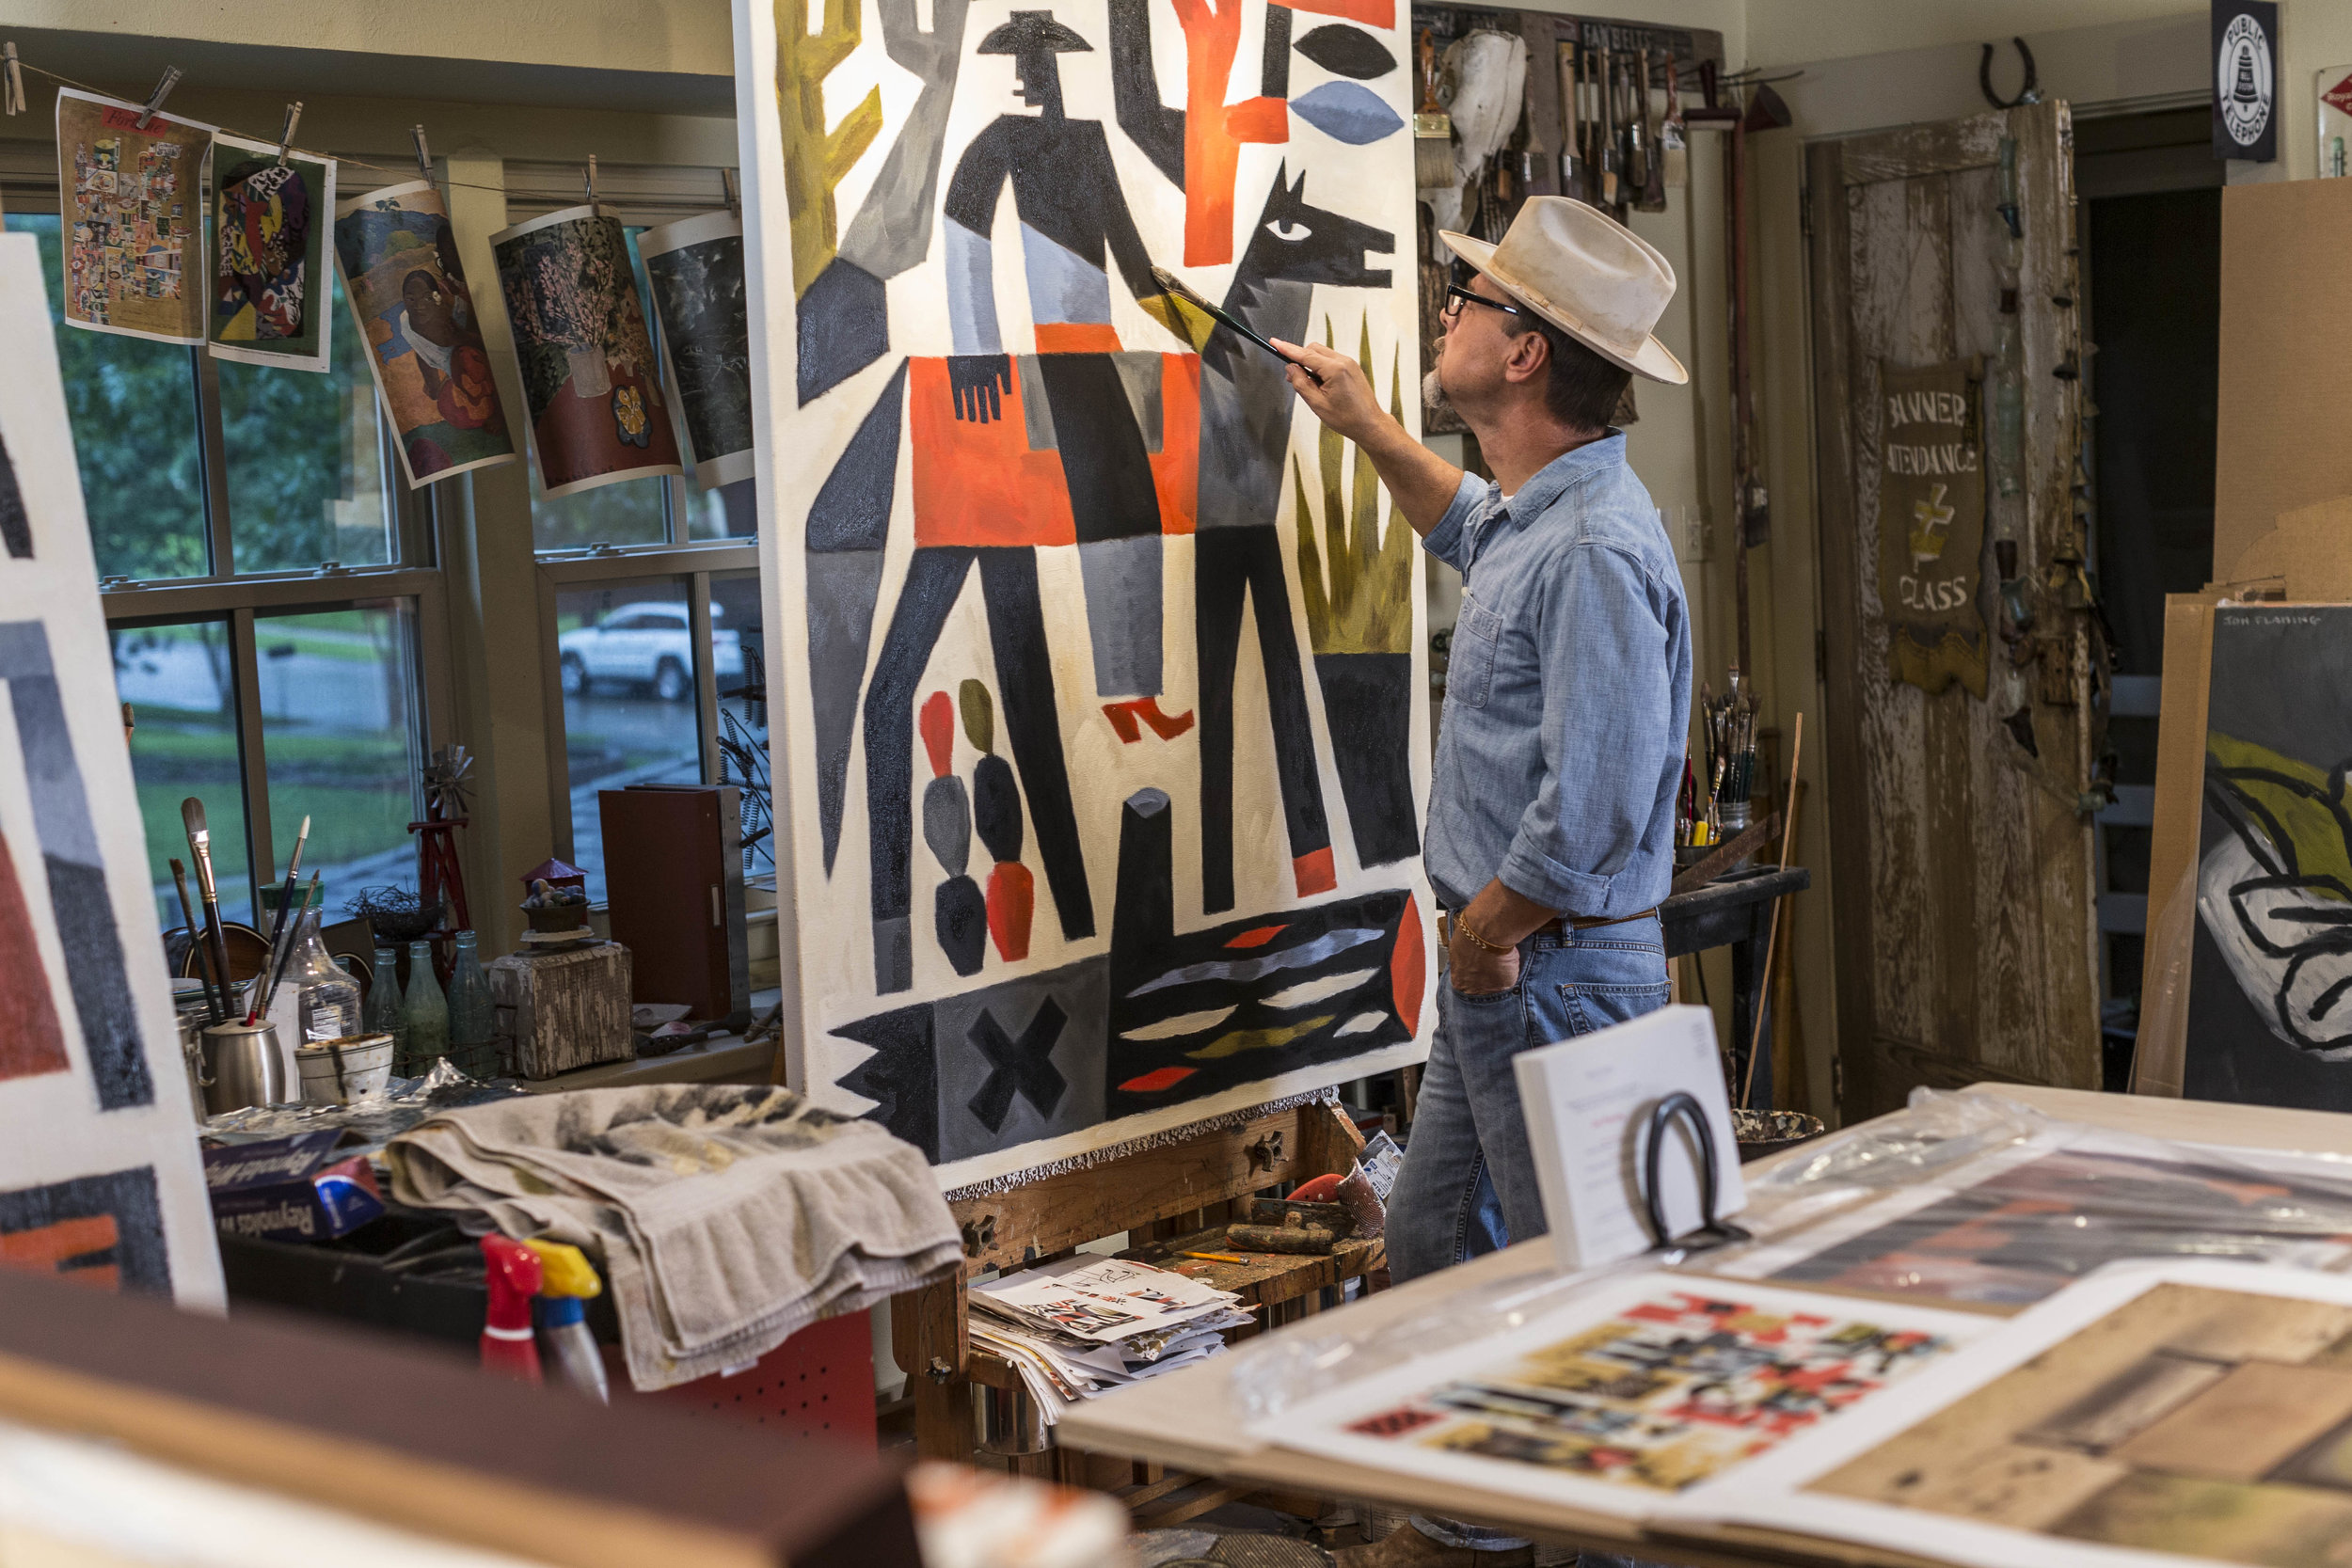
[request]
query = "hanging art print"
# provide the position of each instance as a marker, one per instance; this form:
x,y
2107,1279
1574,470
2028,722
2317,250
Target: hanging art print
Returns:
x,y
99,1178
409,294
269,280
695,270
133,203
1105,749
1932,524
597,412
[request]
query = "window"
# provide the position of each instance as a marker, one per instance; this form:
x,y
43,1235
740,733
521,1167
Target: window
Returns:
x,y
629,572
265,578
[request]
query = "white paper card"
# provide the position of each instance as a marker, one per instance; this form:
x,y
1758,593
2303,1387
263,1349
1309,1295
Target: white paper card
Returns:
x,y
1587,1102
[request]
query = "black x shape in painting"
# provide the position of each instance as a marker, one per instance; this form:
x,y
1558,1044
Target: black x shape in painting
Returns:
x,y
1024,1066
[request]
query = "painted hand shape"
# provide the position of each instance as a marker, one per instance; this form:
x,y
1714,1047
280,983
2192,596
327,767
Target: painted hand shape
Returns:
x,y
979,382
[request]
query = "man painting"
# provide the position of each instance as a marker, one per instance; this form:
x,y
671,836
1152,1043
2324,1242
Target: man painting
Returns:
x,y
1550,836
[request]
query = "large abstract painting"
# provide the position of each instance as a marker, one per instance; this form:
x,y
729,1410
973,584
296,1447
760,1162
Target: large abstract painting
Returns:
x,y
1055,575
2270,983
99,1176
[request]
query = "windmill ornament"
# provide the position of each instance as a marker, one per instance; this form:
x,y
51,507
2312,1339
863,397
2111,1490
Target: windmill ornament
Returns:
x,y
441,880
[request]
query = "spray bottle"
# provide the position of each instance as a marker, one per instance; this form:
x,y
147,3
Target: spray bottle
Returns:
x,y
512,1270
567,1280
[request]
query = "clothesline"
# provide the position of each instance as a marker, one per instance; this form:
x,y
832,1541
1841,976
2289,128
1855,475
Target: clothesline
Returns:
x,y
16,105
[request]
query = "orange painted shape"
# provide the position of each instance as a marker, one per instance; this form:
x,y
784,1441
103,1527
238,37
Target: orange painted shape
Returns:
x,y
1214,131
1076,338
1315,872
1409,966
980,484
938,724
50,1247
30,1041
1176,466
1257,937
1371,14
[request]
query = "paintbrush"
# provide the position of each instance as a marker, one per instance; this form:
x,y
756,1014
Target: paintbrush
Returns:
x,y
278,968
200,846
1182,299
277,926
215,1006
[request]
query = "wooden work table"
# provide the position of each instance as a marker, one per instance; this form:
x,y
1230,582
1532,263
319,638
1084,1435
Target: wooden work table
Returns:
x,y
1192,1420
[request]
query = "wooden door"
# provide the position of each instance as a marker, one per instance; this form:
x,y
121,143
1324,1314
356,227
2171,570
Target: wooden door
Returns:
x,y
1963,899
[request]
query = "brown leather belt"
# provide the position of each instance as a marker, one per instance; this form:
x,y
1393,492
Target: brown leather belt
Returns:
x,y
1585,922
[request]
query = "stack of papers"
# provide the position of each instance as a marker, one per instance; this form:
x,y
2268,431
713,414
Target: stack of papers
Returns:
x,y
1084,1325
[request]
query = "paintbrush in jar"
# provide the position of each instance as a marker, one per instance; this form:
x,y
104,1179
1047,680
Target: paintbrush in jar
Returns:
x,y
200,846
278,926
276,975
215,1006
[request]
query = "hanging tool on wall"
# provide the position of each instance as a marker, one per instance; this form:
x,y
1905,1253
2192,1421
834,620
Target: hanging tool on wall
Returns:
x,y
1653,195
1432,130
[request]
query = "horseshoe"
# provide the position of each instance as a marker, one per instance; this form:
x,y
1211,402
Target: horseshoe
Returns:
x,y
2029,93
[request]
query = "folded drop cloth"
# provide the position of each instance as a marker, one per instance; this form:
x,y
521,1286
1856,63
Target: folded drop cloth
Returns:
x,y
727,1216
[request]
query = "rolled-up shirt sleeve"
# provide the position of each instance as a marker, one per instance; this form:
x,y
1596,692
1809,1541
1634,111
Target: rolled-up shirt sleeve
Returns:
x,y
1607,702
1449,541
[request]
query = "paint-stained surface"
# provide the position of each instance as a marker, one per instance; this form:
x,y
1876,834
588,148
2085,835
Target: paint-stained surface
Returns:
x,y
1963,897
1141,868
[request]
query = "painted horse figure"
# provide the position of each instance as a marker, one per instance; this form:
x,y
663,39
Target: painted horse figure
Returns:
x,y
1245,444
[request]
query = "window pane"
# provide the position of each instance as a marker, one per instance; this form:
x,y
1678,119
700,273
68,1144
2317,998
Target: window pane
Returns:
x,y
132,406
628,512
179,684
730,512
306,461
737,651
628,700
338,721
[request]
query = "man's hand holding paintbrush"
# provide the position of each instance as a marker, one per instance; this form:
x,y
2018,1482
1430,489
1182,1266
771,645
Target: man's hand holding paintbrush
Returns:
x,y
1336,390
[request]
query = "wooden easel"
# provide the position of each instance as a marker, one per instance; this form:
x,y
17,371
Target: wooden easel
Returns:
x,y
931,1338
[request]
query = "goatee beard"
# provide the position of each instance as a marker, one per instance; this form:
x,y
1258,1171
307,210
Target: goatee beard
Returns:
x,y
1433,398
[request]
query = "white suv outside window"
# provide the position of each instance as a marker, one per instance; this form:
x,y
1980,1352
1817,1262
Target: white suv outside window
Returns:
x,y
648,646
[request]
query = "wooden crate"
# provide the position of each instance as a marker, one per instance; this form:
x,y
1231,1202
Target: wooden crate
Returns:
x,y
557,1011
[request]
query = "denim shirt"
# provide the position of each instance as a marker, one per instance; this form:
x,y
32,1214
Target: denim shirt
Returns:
x,y
1569,693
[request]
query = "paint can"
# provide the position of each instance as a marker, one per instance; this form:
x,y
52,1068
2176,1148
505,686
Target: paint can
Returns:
x,y
339,1071
241,1064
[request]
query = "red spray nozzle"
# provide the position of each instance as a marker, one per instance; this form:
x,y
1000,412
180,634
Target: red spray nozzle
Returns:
x,y
511,1269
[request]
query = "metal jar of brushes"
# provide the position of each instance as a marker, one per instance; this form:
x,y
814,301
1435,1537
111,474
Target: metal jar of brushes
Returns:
x,y
241,1061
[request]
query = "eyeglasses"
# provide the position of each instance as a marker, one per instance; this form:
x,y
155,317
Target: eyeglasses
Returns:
x,y
1456,293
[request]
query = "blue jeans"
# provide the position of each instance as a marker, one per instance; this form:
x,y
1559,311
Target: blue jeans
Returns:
x,y
1469,1183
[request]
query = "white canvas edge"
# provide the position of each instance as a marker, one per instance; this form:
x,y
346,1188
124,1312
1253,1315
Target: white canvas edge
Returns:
x,y
1769,1490
68,1136
375,368
321,361
712,473
64,199
1310,1426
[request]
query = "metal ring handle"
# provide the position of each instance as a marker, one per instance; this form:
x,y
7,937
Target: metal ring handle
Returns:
x,y
1683,1105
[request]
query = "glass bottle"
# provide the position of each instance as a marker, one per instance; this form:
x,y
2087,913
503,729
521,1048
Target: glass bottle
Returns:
x,y
470,1017
426,1013
383,1010
330,998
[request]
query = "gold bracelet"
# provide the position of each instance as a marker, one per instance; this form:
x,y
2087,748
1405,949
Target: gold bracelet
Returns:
x,y
1461,924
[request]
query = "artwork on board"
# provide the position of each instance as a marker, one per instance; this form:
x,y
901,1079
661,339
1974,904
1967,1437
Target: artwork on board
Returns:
x,y
409,294
1054,560
133,207
695,270
2267,1019
597,411
2183,1411
1628,1396
271,294
99,1176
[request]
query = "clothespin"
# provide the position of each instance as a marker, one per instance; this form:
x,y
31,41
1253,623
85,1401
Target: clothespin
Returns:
x,y
285,137
591,186
735,202
155,99
425,154
12,89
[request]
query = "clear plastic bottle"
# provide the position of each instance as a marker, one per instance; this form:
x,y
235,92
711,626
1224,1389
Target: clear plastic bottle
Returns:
x,y
382,1016
330,998
470,1020
425,1011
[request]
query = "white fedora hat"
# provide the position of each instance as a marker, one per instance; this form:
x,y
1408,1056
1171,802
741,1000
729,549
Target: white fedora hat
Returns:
x,y
1587,275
